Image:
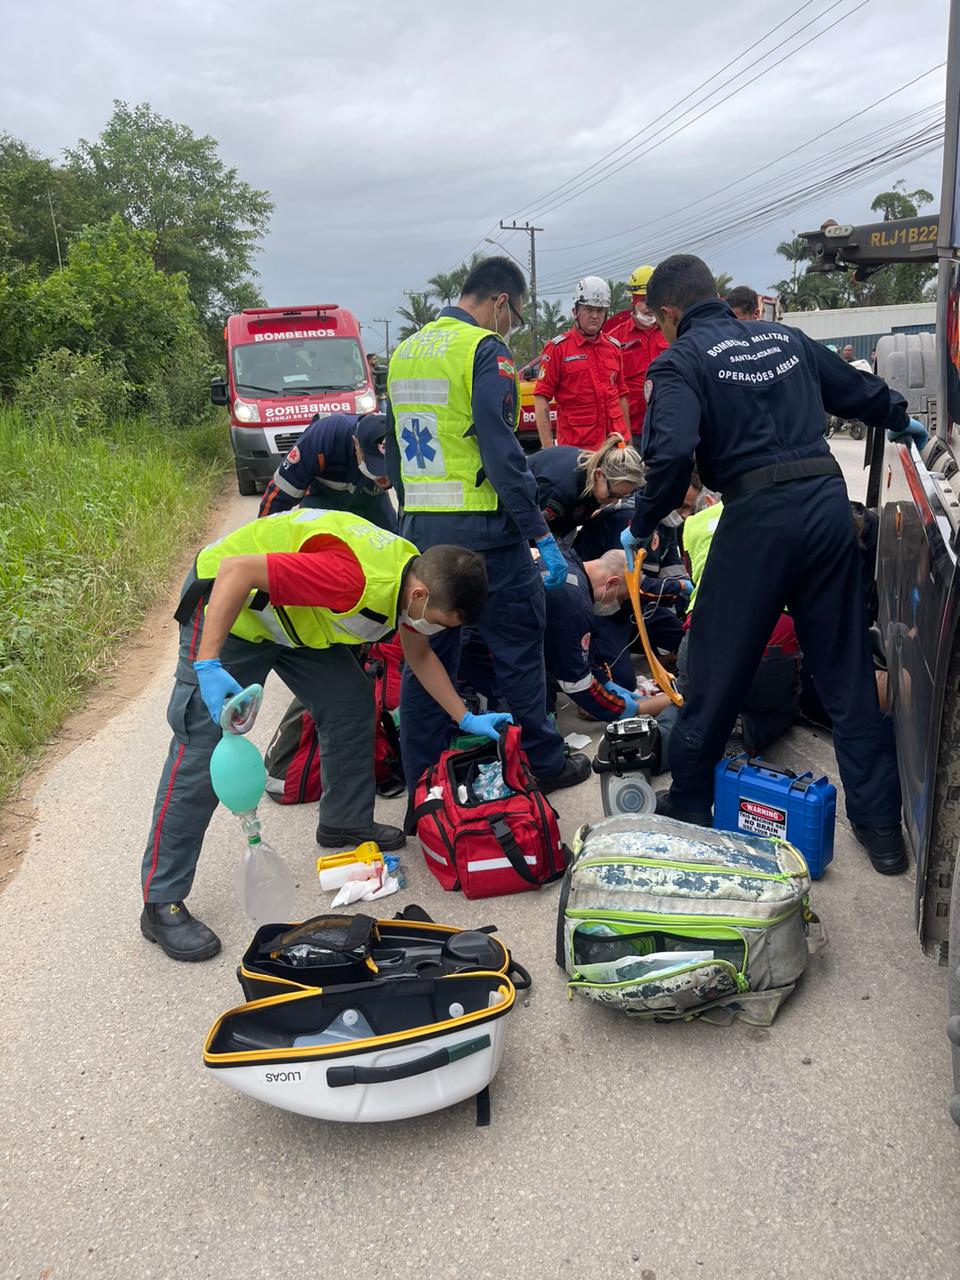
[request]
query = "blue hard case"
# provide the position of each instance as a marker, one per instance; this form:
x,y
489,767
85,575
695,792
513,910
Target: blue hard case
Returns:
x,y
751,795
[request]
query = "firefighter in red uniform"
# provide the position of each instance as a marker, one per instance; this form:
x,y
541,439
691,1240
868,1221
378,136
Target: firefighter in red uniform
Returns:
x,y
641,342
582,370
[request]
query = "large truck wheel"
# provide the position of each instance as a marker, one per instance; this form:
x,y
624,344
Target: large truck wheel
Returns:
x,y
245,482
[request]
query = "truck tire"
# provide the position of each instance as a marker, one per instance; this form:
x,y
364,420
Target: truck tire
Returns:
x,y
245,482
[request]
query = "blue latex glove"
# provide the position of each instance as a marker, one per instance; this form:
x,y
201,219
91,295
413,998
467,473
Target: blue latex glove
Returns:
x,y
629,544
630,699
487,725
216,686
686,588
914,431
553,561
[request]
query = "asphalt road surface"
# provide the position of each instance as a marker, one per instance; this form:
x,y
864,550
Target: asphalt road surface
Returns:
x,y
820,1147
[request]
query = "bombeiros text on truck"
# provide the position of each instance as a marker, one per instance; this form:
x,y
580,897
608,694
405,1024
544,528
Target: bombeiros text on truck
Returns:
x,y
284,366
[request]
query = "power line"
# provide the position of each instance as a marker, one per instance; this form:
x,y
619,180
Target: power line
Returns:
x,y
643,226
913,145
493,227
732,232
746,200
571,181
862,146
644,150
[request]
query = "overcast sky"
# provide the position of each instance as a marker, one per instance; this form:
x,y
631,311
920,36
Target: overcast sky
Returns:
x,y
393,135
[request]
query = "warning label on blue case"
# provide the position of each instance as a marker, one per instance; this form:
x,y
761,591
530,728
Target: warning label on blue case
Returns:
x,y
762,819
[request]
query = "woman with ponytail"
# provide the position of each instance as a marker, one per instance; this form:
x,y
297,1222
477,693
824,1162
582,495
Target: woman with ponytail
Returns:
x,y
574,485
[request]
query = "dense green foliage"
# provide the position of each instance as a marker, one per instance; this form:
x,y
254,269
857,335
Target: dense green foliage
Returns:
x,y
133,250
160,177
117,267
90,522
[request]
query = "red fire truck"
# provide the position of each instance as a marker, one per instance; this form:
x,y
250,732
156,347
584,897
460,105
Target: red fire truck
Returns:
x,y
284,365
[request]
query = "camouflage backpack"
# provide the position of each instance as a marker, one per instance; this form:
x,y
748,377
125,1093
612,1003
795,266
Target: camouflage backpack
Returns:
x,y
666,920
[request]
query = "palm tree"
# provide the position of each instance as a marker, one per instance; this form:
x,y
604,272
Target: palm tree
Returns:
x,y
723,281
619,296
796,252
445,286
553,320
419,312
459,274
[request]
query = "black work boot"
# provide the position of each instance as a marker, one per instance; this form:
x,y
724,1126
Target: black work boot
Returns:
x,y
388,838
885,847
667,809
172,926
576,768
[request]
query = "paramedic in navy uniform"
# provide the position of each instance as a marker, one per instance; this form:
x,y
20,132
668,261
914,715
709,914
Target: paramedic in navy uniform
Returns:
x,y
337,464
748,398
461,476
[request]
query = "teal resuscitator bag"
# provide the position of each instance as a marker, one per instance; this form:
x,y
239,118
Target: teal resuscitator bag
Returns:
x,y
666,920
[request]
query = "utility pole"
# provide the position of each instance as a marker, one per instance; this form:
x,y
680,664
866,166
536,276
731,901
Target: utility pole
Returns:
x,y
532,233
386,325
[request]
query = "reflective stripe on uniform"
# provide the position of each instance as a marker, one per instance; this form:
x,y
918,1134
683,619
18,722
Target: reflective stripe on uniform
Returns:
x,y
576,686
286,487
364,628
420,391
273,625
495,864
438,493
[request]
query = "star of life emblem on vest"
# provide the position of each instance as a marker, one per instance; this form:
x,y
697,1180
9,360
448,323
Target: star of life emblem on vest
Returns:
x,y
421,454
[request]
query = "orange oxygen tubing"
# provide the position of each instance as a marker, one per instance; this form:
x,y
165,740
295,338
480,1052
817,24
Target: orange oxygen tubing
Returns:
x,y
664,679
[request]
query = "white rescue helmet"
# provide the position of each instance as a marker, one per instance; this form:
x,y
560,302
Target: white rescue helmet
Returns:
x,y
592,291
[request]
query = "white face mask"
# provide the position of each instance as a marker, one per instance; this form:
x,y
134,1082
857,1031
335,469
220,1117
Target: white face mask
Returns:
x,y
604,608
673,521
512,328
646,319
365,471
421,624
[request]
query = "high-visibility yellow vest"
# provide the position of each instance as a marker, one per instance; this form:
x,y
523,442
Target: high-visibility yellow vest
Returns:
x,y
430,384
698,531
382,556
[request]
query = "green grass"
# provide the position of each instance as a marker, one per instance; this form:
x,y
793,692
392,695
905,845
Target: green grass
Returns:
x,y
90,528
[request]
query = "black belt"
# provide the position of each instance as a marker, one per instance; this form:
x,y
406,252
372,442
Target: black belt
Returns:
x,y
780,473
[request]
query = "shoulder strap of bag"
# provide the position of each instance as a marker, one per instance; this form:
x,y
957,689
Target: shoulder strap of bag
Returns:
x,y
396,785
414,912
511,758
511,851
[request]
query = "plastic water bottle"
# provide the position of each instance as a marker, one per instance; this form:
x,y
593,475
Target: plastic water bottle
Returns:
x,y
264,883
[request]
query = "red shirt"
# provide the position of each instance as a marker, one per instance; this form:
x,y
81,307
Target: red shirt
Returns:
x,y
324,574
638,347
585,376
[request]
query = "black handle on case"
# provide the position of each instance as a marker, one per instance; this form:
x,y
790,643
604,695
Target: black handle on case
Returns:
x,y
341,1077
756,763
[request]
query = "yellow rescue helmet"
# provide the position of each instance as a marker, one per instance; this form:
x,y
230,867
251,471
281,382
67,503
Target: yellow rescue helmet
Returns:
x,y
640,279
